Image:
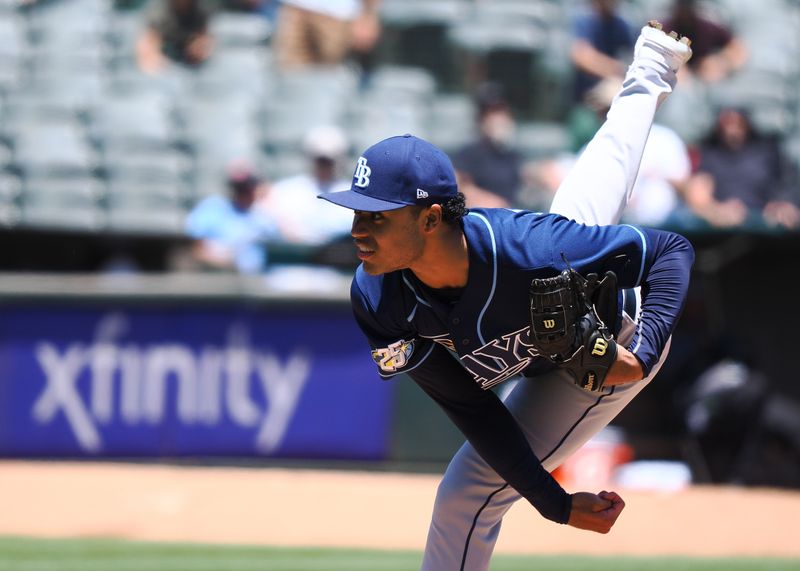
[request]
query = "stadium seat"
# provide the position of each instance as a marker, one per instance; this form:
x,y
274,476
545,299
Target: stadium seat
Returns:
x,y
6,154
63,202
133,119
376,116
52,56
13,48
280,164
413,12
77,189
156,179
139,195
10,191
59,95
412,81
302,100
517,35
146,204
219,130
12,30
53,147
157,165
284,123
73,26
530,12
121,36
38,105
10,214
240,29
540,139
10,188
239,69
159,222
452,121
10,74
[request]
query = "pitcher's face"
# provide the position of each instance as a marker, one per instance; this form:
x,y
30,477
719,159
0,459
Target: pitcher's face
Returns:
x,y
388,241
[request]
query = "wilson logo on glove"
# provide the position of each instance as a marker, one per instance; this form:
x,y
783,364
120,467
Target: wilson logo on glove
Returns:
x,y
600,346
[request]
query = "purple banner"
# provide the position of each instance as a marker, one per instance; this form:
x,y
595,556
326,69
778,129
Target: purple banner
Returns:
x,y
145,381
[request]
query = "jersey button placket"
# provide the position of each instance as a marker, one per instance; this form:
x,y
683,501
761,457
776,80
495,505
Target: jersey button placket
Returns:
x,y
456,331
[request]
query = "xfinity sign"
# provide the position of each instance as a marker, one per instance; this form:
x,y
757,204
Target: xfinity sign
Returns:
x,y
160,385
210,383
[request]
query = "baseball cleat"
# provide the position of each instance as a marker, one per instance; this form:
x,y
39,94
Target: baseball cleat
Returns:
x,y
657,46
674,35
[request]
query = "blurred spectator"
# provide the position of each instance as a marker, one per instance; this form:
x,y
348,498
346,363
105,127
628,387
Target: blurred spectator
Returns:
x,y
742,177
489,169
586,117
716,51
175,31
301,217
229,233
602,41
324,32
663,172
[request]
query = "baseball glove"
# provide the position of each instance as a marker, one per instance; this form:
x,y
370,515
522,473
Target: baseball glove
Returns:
x,y
567,328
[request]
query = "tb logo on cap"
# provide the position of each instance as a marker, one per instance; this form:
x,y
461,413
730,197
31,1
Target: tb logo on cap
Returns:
x,y
362,173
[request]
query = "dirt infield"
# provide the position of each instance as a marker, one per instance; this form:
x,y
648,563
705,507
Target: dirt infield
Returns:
x,y
363,510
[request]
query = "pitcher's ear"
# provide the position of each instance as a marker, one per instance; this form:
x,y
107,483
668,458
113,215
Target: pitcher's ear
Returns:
x,y
433,216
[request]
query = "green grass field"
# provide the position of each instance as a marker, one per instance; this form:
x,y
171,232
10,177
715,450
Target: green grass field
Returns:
x,y
23,554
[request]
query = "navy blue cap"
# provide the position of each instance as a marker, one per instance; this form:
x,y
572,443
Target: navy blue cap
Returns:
x,y
396,172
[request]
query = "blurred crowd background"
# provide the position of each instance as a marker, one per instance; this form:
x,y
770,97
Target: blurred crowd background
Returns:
x,y
169,138
217,122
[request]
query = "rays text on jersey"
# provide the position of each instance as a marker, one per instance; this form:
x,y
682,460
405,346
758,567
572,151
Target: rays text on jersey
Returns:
x,y
500,359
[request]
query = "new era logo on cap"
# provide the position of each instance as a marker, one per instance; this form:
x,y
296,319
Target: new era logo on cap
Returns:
x,y
396,172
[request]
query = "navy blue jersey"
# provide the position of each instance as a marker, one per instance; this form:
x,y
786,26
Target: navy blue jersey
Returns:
x,y
487,323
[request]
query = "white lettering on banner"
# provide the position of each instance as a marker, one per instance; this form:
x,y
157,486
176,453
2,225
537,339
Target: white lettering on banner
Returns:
x,y
130,364
103,362
159,364
213,381
283,387
60,392
238,366
209,375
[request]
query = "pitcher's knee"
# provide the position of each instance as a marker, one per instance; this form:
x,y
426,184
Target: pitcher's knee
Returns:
x,y
459,502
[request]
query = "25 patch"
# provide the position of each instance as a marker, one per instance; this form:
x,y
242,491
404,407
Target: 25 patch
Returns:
x,y
393,357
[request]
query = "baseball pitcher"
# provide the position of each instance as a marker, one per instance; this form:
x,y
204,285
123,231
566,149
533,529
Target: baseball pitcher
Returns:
x,y
578,307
